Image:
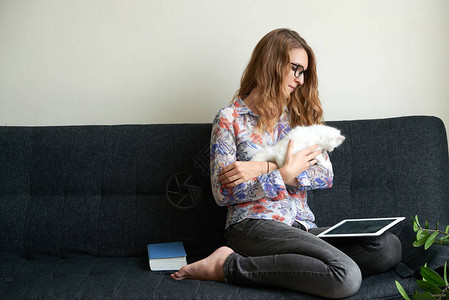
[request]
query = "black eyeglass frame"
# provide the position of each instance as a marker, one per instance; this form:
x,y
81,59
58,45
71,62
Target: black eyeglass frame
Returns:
x,y
300,73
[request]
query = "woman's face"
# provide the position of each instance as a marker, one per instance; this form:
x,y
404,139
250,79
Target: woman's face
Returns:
x,y
298,62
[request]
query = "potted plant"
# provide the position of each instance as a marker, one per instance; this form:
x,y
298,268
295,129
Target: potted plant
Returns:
x,y
434,286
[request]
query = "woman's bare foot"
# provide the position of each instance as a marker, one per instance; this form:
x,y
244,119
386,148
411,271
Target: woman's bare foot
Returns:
x,y
210,268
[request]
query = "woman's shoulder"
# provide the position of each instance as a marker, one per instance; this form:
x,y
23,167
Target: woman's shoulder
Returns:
x,y
229,112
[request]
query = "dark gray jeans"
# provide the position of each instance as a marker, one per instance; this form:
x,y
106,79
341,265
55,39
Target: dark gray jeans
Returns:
x,y
270,253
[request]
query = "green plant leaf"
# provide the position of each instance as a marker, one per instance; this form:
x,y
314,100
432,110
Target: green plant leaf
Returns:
x,y
432,277
422,233
428,287
426,225
444,240
415,226
419,243
421,237
447,229
417,222
423,296
402,291
431,240
445,274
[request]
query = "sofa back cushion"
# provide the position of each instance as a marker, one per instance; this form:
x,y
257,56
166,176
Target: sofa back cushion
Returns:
x,y
387,168
106,190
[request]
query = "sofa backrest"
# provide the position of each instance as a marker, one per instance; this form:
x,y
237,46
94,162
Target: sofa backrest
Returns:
x,y
111,190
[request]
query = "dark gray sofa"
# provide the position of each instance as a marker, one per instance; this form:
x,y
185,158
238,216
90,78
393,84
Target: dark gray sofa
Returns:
x,y
79,204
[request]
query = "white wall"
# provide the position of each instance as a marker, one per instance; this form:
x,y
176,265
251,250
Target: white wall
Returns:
x,y
135,61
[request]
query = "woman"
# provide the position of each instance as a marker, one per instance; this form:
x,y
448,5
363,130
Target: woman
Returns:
x,y
270,230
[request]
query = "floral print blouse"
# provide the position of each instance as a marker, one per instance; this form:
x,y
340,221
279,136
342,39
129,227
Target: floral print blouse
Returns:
x,y
234,138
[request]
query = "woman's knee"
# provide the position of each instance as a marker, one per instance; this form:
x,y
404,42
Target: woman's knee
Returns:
x,y
392,254
387,253
347,281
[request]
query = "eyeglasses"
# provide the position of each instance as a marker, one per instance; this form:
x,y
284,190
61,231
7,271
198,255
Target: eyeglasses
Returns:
x,y
299,70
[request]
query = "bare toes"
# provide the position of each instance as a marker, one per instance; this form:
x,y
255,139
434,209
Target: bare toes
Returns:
x,y
179,275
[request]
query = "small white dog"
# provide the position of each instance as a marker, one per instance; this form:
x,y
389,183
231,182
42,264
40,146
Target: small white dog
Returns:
x,y
327,138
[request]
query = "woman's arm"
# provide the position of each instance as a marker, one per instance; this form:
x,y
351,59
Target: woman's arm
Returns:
x,y
236,190
242,171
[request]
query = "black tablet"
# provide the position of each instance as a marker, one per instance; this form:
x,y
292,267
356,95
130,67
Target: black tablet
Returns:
x,y
361,227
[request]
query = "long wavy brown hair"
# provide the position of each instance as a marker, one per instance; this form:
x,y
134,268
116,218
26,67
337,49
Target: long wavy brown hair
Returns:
x,y
268,68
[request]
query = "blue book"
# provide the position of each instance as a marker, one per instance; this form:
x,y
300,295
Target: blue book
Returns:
x,y
167,256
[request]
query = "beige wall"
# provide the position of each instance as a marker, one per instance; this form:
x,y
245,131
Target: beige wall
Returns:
x,y
172,61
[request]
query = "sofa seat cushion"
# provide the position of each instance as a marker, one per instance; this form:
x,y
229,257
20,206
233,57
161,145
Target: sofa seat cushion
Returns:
x,y
108,277
129,277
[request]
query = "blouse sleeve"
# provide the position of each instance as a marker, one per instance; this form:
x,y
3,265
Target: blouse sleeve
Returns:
x,y
318,176
223,152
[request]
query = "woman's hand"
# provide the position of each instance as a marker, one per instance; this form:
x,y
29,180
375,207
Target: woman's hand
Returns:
x,y
242,171
297,163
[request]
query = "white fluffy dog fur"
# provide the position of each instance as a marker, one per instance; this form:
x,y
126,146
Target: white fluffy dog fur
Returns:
x,y
326,137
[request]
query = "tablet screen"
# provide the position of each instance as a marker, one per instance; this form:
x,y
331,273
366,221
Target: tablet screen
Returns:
x,y
361,227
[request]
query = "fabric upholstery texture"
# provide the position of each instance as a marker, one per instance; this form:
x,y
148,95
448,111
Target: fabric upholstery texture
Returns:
x,y
79,204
